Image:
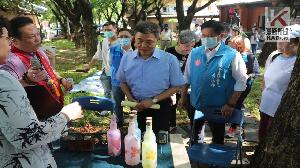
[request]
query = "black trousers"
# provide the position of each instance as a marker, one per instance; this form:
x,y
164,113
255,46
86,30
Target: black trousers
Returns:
x,y
218,131
190,111
160,117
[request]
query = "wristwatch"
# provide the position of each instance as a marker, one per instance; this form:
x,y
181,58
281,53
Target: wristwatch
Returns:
x,y
154,100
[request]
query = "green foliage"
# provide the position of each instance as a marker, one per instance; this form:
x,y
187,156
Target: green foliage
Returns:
x,y
107,9
253,100
21,5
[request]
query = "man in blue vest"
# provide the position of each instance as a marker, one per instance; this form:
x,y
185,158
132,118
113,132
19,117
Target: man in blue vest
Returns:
x,y
217,76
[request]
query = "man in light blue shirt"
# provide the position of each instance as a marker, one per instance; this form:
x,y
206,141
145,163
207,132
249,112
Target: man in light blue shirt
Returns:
x,y
149,75
116,53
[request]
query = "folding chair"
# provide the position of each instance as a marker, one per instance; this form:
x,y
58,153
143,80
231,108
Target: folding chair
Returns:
x,y
216,154
95,103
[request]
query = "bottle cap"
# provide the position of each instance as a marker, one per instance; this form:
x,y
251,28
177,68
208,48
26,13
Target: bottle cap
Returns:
x,y
148,123
134,112
149,118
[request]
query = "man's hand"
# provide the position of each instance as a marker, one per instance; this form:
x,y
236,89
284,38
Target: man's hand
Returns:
x,y
145,104
35,75
67,84
226,111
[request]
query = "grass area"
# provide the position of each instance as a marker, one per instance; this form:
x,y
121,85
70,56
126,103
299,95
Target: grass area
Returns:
x,y
253,99
68,59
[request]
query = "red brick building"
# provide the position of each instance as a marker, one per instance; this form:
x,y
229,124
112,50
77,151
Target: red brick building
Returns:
x,y
250,12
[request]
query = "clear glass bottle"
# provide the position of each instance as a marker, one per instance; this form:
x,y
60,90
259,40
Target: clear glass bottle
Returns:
x,y
132,144
137,130
114,138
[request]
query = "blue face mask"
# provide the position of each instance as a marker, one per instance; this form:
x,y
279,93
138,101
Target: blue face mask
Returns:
x,y
209,42
125,41
108,34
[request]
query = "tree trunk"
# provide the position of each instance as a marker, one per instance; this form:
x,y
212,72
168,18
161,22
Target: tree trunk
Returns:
x,y
180,14
88,27
266,50
70,10
184,22
77,36
122,13
281,148
159,18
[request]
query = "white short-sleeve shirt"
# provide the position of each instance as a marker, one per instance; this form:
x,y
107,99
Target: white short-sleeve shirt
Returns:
x,y
277,77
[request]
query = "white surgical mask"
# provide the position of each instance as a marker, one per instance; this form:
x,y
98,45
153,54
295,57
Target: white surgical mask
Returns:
x,y
209,42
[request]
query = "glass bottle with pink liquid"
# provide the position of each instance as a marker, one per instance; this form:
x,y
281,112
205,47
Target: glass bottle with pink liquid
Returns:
x,y
114,138
132,144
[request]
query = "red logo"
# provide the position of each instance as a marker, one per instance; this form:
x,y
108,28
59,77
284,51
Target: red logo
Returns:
x,y
197,62
280,19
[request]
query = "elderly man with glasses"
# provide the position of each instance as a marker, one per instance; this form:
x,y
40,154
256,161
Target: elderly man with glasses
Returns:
x,y
149,76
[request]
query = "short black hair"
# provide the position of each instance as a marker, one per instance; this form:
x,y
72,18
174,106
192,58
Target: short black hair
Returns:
x,y
4,23
146,27
125,29
215,25
110,23
18,22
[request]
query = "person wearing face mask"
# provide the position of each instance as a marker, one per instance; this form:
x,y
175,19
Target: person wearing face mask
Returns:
x,y
117,51
276,79
150,76
103,53
24,138
165,38
186,42
217,76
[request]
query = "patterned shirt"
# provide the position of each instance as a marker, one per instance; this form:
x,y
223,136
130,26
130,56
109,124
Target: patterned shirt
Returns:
x,y
16,67
23,138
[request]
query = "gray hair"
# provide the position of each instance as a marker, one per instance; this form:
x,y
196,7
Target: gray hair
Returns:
x,y
187,36
147,28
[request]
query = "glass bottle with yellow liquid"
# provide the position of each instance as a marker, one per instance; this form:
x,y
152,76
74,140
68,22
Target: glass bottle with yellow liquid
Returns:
x,y
149,147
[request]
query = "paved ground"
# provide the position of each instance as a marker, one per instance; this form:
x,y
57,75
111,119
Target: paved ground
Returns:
x,y
250,141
